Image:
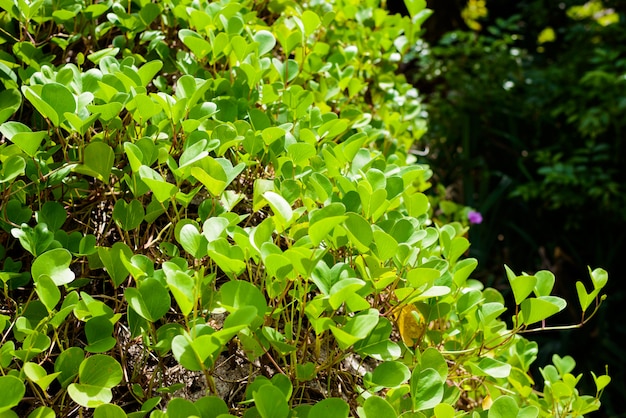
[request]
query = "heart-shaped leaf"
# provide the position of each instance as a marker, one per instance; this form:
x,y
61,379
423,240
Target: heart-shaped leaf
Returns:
x,y
188,235
52,214
38,375
427,388
113,263
34,240
48,292
10,101
97,375
390,374
266,41
522,286
563,364
68,364
128,215
55,265
12,390
538,309
98,159
503,407
13,167
151,300
375,406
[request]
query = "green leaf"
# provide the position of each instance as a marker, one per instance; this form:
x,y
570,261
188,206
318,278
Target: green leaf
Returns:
x,y
281,208
538,309
99,55
198,45
97,375
48,292
34,240
107,111
52,214
359,231
377,407
503,407
229,258
601,381
522,286
545,283
415,6
584,298
287,71
427,388
68,364
192,356
390,374
149,70
22,136
128,215
599,277
311,22
344,290
52,100
443,410
109,411
161,189
323,221
100,370
236,294
10,101
98,160
12,167
212,176
54,264
270,402
111,258
378,343
210,406
38,375
491,367
80,125
99,331
266,41
433,359
182,408
330,408
42,412
182,287
356,328
150,300
563,364
12,390
191,239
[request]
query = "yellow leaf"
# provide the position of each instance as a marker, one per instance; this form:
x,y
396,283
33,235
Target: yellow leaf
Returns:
x,y
411,325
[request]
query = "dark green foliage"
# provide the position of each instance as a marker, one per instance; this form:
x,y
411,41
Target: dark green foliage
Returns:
x,y
528,129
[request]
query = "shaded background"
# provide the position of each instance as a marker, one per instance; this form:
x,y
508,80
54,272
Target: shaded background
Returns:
x,y
527,117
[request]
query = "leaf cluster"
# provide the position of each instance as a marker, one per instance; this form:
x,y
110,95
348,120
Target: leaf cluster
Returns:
x,y
187,186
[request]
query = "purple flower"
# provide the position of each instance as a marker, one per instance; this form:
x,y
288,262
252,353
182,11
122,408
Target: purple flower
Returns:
x,y
474,217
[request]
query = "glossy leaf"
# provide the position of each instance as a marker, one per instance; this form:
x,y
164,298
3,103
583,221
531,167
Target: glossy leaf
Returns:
x,y
151,300
113,263
427,389
537,309
330,408
12,390
522,286
128,215
98,161
55,265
